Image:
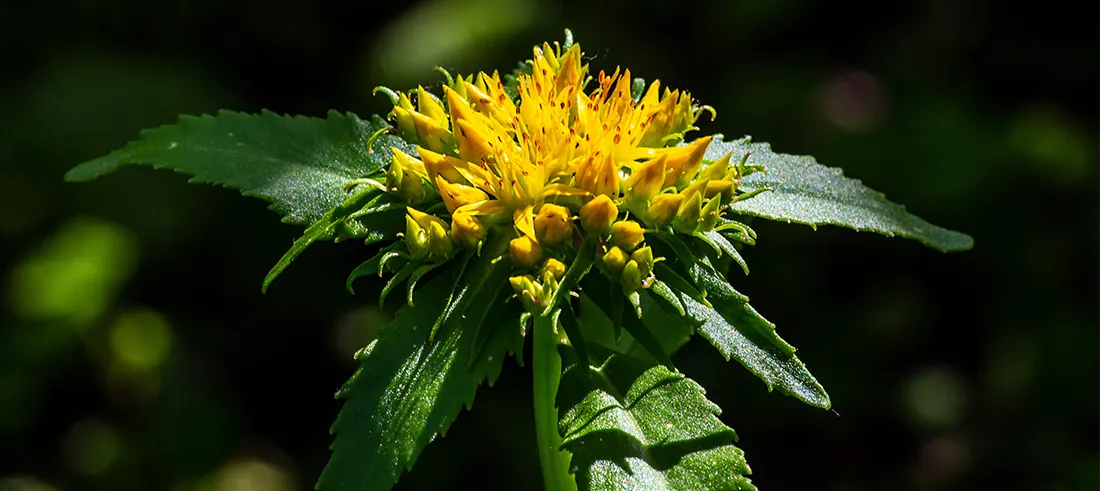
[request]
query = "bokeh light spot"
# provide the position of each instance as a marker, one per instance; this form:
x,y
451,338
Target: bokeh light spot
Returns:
x,y
74,275
91,447
934,397
141,339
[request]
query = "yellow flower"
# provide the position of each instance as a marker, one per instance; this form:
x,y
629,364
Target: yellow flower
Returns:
x,y
554,148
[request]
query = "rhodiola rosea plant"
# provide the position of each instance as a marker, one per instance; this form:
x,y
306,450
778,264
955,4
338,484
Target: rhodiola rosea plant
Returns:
x,y
573,211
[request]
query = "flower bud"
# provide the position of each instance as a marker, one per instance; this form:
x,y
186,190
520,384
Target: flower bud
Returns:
x,y
719,169
439,242
643,256
428,233
416,238
632,276
627,234
614,260
467,229
528,290
525,252
406,177
456,195
721,188
687,218
709,216
598,215
662,209
684,162
431,133
554,268
406,127
646,181
552,224
429,106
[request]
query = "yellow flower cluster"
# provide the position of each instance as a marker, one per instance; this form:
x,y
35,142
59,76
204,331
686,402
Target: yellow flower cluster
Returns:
x,y
558,151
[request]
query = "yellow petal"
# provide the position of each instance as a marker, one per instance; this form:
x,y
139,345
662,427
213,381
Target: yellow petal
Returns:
x,y
523,219
684,161
437,165
456,195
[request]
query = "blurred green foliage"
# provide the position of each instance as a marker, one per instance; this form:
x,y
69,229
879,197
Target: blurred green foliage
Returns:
x,y
136,351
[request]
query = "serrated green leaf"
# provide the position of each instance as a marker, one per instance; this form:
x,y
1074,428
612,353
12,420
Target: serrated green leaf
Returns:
x,y
741,333
605,298
299,164
634,424
375,221
407,390
806,192
723,247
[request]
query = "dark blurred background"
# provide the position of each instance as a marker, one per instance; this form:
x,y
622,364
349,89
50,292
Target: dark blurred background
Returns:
x,y
137,353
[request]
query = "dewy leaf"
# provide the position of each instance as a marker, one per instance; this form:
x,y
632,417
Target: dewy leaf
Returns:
x,y
634,424
376,224
299,164
408,389
806,192
739,332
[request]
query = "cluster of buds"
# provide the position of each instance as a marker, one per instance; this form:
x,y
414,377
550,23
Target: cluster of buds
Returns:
x,y
537,290
676,191
621,253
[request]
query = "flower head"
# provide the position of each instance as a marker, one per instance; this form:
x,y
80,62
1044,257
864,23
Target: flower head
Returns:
x,y
567,144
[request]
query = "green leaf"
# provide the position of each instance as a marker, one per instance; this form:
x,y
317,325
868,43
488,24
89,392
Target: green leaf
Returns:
x,y
408,389
812,194
739,332
634,424
299,164
602,318
375,209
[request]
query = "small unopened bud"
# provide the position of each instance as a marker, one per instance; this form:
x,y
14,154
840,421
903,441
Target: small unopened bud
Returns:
x,y
632,276
439,242
552,224
467,229
662,209
525,252
528,290
627,234
646,181
709,217
614,260
644,257
554,268
719,169
406,127
721,188
598,215
684,162
416,238
432,134
429,106
428,232
406,177
687,218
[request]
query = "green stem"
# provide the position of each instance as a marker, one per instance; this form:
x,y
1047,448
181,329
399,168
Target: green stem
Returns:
x,y
546,364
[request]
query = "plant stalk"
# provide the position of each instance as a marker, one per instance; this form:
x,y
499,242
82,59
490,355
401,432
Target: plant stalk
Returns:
x,y
546,365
